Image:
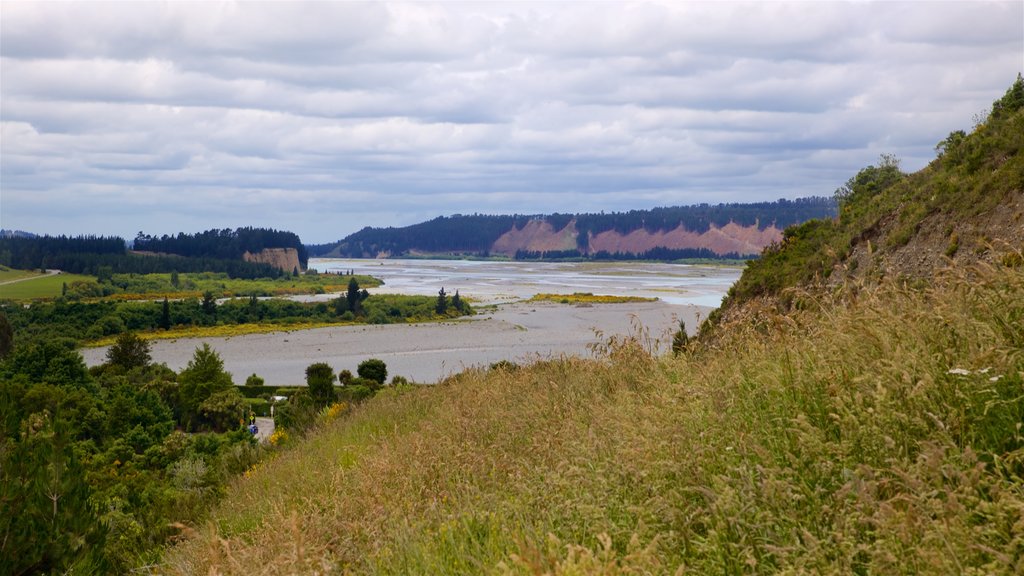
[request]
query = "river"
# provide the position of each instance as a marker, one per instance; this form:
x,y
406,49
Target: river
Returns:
x,y
512,329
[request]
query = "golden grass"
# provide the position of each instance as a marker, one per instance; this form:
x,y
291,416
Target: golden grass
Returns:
x,y
588,298
874,432
224,331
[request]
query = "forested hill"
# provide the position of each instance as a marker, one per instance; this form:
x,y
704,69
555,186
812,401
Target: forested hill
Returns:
x,y
243,253
224,244
702,230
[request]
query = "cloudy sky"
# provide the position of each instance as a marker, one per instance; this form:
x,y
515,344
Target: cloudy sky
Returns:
x,y
325,117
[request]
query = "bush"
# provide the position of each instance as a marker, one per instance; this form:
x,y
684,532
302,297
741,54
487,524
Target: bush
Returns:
x,y
373,369
254,380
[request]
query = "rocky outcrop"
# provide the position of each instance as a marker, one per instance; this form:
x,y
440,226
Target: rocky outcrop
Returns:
x,y
731,238
286,259
540,236
536,236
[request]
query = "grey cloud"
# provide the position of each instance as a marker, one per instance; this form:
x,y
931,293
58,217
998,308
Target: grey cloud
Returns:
x,y
324,117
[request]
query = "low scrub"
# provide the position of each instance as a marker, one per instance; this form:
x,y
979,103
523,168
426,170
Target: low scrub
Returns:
x,y
877,431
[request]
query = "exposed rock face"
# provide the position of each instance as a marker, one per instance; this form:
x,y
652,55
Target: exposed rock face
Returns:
x,y
536,236
729,238
286,259
539,236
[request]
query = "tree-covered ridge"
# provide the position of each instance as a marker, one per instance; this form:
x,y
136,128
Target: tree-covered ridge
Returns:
x,y
222,244
96,255
477,233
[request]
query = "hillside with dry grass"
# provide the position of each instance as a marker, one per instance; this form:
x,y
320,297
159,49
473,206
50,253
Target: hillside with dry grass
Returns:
x,y
834,421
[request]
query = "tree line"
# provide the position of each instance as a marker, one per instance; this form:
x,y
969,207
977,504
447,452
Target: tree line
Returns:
x,y
223,244
475,234
93,254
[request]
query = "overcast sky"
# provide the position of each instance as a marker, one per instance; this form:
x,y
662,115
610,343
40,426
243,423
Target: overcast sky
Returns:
x,y
325,117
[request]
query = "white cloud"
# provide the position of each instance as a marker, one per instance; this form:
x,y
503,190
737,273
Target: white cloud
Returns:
x,y
324,117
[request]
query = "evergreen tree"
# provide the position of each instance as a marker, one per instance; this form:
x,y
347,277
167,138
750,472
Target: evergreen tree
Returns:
x,y
457,301
175,281
442,302
129,351
353,297
165,315
6,336
204,376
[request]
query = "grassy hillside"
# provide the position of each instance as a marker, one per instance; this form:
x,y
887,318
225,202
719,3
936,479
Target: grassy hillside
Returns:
x,y
874,426
883,436
964,207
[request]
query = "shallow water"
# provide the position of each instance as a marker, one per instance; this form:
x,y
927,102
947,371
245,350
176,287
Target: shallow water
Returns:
x,y
515,330
492,282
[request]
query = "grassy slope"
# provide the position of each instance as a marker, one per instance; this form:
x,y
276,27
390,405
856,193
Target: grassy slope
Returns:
x,y
870,431
833,439
40,287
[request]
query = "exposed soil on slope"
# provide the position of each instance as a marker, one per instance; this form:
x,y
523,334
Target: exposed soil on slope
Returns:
x,y
286,259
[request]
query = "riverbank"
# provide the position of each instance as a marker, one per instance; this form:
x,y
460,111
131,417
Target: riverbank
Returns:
x,y
426,353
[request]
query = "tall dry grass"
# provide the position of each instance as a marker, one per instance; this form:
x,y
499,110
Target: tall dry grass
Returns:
x,y
874,431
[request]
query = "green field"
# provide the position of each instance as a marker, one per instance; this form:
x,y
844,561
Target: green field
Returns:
x,y
8,274
39,287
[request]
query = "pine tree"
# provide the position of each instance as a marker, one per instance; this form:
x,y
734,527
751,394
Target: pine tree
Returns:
x,y
442,302
165,315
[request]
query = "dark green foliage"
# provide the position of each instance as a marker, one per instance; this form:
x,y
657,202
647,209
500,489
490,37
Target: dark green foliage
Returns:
x,y
202,378
254,380
441,308
373,369
298,413
209,304
224,409
81,321
320,381
680,339
476,234
47,524
345,377
50,361
1012,101
129,351
107,456
106,256
222,244
6,336
165,315
352,297
457,302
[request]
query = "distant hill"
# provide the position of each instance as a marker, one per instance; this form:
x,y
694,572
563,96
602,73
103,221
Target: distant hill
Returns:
x,y
703,230
277,248
242,253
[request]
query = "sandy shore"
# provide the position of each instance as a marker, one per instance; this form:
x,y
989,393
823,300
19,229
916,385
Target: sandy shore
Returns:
x,y
426,353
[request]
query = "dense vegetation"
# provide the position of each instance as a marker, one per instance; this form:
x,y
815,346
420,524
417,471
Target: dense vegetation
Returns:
x,y
85,321
476,233
95,465
100,467
105,255
224,244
